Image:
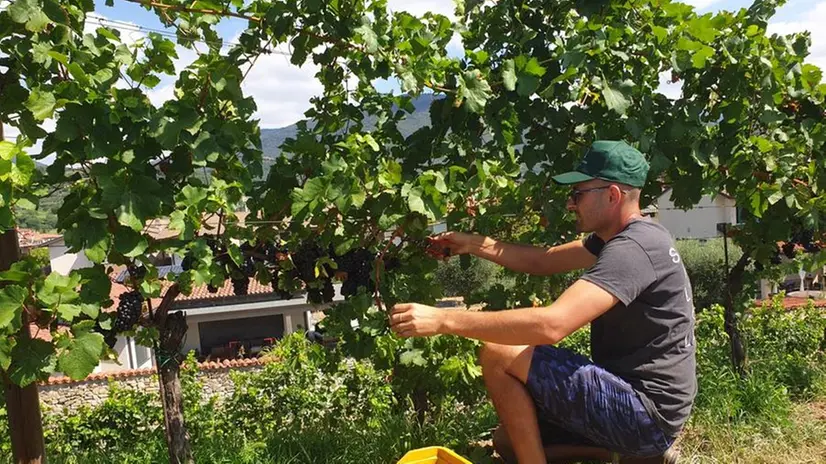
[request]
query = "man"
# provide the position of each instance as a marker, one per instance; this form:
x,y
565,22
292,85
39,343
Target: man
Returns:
x,y
631,401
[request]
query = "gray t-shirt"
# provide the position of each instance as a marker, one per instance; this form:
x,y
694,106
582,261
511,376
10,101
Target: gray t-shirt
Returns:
x,y
648,337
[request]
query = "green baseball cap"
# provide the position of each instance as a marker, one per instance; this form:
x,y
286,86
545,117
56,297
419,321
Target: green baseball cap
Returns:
x,y
611,160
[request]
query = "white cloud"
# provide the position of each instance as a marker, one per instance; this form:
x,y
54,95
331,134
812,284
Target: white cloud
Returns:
x,y
281,90
807,20
166,89
672,90
420,7
700,4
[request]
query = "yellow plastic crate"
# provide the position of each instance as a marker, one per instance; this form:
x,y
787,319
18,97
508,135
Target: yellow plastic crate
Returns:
x,y
433,455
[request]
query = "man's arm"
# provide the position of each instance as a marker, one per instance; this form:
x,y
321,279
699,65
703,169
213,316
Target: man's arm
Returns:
x,y
521,258
581,303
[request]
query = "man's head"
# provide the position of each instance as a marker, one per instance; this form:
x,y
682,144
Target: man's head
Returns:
x,y
605,185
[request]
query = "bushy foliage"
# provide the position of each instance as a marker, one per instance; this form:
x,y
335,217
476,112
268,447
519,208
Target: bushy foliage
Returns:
x,y
460,277
5,442
307,389
786,363
705,264
579,341
125,418
310,405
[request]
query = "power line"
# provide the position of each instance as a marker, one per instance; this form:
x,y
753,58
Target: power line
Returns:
x,y
138,28
131,27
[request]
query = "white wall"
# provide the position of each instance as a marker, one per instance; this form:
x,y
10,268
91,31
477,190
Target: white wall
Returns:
x,y
122,349
63,262
698,222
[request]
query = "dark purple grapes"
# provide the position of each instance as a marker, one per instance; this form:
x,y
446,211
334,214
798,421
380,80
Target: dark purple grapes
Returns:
x,y
187,262
240,286
358,264
128,312
788,250
136,272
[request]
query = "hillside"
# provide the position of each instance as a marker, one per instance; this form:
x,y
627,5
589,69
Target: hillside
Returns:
x,y
272,139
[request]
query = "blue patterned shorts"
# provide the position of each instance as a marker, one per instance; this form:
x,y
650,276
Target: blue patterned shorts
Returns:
x,y
580,403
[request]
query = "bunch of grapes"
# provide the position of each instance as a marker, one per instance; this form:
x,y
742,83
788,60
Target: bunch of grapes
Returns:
x,y
305,259
129,311
358,264
241,286
250,258
805,238
187,262
322,295
137,272
788,250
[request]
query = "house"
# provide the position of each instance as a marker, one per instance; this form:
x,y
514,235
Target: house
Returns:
x,y
220,324
699,222
61,261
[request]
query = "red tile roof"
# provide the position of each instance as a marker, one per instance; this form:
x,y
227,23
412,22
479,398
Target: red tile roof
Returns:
x,y
200,292
125,374
28,238
159,228
791,302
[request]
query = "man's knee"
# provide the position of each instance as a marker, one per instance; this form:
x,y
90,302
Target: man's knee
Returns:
x,y
500,359
493,356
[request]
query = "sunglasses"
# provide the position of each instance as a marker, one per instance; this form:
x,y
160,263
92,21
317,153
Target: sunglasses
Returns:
x,y
576,193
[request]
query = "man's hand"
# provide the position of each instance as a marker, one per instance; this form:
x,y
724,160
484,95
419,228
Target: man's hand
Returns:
x,y
416,320
447,244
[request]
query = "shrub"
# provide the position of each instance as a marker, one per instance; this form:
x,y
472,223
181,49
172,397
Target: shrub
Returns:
x,y
305,389
705,264
126,427
785,362
5,439
459,280
579,341
787,346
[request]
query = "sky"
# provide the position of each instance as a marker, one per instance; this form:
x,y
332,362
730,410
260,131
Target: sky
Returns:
x,y
283,91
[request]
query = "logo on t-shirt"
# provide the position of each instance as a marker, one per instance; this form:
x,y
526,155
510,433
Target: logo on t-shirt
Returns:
x,y
675,258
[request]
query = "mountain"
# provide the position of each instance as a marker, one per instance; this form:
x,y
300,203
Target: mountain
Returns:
x,y
272,139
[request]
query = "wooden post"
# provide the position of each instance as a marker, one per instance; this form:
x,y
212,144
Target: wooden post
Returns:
x,y
172,328
22,404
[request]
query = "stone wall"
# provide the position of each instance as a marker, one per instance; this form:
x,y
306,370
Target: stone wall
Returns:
x,y
60,397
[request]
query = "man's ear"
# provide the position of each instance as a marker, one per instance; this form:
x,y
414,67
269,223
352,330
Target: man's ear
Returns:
x,y
616,193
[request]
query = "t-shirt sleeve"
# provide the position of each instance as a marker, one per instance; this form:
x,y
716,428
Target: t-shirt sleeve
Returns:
x,y
593,243
623,269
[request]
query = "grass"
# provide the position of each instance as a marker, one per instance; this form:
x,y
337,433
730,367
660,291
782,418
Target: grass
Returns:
x,y
801,440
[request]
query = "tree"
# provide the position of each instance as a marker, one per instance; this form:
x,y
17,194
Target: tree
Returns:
x,y
351,197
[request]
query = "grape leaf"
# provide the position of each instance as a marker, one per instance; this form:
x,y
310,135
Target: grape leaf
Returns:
x,y
41,104
474,89
32,360
412,357
11,305
509,75
81,356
